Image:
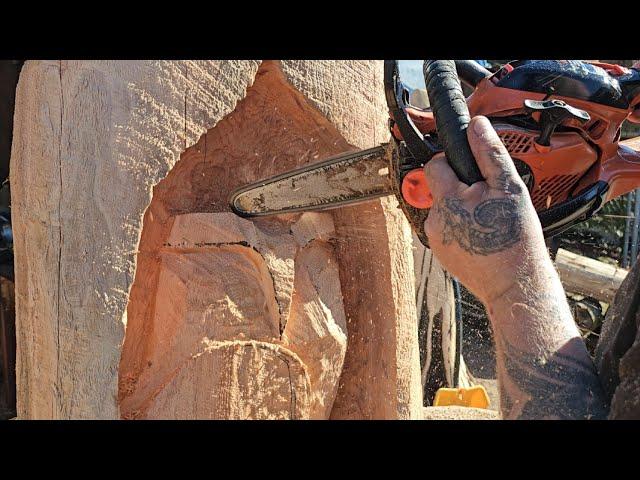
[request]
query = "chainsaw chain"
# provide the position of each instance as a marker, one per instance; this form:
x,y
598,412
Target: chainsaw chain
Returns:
x,y
403,162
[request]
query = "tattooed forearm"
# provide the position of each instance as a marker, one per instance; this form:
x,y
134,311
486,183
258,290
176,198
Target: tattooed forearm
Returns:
x,y
544,369
495,225
562,385
488,236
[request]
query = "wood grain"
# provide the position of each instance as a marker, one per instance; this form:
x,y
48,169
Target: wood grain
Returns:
x,y
91,141
587,276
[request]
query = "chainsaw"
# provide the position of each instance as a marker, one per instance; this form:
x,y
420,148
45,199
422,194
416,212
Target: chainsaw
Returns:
x,y
559,120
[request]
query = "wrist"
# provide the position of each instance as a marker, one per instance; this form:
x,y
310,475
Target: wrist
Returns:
x,y
532,278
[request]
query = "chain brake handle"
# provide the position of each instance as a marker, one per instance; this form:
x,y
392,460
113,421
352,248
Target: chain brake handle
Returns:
x,y
422,148
415,151
410,154
451,116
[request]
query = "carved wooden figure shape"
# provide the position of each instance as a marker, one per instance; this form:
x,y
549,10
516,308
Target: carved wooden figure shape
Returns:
x,y
230,318
244,324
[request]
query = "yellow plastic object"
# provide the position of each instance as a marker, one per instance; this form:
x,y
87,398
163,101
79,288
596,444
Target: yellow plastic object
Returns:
x,y
465,397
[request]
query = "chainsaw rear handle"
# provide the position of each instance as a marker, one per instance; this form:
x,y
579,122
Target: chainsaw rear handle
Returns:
x,y
452,117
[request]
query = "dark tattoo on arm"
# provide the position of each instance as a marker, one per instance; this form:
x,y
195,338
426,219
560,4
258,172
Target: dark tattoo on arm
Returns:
x,y
494,226
564,385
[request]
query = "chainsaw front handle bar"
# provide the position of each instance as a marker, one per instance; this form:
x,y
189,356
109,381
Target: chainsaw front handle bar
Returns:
x,y
452,117
470,72
419,145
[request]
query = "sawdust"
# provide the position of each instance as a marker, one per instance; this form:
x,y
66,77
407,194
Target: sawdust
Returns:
x,y
459,413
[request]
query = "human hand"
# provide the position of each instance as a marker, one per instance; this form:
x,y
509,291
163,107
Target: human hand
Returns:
x,y
488,235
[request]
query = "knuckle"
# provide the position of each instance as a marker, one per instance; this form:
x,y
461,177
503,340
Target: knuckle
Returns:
x,y
516,186
430,167
496,151
427,168
429,225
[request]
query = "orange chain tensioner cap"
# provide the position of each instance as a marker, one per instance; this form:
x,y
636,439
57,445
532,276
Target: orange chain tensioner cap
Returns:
x,y
415,190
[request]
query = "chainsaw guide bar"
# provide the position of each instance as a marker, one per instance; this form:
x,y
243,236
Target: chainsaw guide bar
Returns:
x,y
340,180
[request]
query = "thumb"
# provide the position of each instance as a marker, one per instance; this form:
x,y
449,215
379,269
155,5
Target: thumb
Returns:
x,y
491,155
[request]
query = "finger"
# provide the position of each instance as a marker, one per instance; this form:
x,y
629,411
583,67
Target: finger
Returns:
x,y
442,180
491,155
476,192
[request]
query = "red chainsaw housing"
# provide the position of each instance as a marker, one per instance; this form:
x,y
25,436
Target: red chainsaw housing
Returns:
x,y
573,161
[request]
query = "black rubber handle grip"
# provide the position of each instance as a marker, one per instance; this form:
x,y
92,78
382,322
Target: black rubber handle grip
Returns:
x,y
452,117
471,72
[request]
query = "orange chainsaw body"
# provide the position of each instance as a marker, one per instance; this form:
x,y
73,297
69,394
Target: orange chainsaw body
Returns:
x,y
576,158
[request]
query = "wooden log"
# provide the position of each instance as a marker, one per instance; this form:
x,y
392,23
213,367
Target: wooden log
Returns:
x,y
633,142
139,295
589,277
